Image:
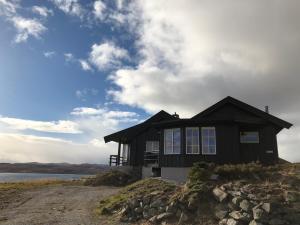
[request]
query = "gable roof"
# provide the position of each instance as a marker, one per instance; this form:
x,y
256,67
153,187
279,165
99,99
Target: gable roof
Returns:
x,y
239,104
129,133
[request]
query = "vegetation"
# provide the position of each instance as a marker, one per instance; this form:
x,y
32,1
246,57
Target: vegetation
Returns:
x,y
111,178
136,190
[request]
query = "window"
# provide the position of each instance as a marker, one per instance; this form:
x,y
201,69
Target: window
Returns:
x,y
208,140
192,140
172,141
152,146
249,137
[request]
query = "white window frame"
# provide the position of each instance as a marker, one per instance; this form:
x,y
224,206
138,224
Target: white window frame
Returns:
x,y
249,142
186,143
172,153
152,144
202,141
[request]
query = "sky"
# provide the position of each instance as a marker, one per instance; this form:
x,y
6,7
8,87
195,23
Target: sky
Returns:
x,y
73,71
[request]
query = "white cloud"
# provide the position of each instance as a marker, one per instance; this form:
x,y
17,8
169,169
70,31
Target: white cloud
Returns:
x,y
85,93
85,65
107,55
105,112
27,27
61,126
70,7
29,148
42,11
99,9
8,8
192,55
69,57
49,54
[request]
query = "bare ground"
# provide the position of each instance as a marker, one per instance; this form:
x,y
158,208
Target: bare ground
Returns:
x,y
67,205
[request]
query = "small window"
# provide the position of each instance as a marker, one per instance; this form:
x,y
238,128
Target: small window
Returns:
x,y
192,140
249,137
208,140
172,140
152,146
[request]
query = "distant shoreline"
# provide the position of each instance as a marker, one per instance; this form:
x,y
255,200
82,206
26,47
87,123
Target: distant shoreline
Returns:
x,y
53,168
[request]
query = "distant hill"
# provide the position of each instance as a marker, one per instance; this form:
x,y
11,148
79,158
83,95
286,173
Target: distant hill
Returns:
x,y
62,168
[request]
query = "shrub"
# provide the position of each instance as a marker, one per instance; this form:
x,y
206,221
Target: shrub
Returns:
x,y
201,171
111,178
238,171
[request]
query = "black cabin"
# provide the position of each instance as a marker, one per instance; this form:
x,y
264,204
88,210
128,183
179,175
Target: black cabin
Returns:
x,y
229,131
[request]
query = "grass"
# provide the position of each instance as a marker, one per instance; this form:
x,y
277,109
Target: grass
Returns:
x,y
138,189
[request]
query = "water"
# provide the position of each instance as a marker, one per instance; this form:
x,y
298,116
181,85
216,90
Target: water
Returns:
x,y
15,177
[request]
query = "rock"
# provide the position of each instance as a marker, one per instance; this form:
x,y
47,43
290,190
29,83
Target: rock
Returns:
x,y
267,207
291,196
156,204
133,203
172,207
232,206
163,216
276,221
233,222
221,214
138,210
247,217
251,197
219,194
152,212
146,200
155,193
183,218
257,213
236,200
236,215
235,193
214,177
153,219
223,222
245,205
254,222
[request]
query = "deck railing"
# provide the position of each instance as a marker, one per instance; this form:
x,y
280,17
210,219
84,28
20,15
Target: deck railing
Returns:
x,y
115,160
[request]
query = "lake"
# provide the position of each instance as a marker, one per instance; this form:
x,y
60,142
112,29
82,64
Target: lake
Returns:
x,y
15,177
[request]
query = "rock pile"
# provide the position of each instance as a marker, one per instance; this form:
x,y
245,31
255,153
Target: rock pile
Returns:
x,y
252,205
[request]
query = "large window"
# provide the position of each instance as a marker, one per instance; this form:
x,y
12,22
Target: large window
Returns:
x,y
192,140
249,137
152,146
172,141
208,140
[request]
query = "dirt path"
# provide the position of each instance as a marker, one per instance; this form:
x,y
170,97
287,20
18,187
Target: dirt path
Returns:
x,y
67,205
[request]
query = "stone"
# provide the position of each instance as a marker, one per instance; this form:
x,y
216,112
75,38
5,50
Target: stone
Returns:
x,y
172,207
246,217
251,196
163,216
221,214
254,222
223,221
276,221
291,196
219,194
146,200
153,219
235,193
156,204
138,210
232,206
214,177
152,212
232,222
236,200
257,213
245,205
267,207
236,215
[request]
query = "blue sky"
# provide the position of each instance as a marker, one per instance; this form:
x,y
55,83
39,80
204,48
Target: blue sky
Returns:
x,y
72,71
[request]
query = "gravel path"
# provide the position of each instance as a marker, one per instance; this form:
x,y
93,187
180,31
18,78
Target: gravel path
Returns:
x,y
67,205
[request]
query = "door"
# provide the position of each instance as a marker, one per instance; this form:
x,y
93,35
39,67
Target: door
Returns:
x,y
249,145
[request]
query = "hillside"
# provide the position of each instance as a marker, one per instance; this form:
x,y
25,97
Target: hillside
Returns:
x,y
59,168
240,195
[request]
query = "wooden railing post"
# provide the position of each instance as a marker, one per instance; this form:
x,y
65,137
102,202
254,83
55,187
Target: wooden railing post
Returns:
x,y
119,153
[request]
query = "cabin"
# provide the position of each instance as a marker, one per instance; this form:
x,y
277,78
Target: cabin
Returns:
x,y
229,131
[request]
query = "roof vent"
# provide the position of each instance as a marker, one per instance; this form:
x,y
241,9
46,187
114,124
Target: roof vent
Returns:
x,y
267,109
176,115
